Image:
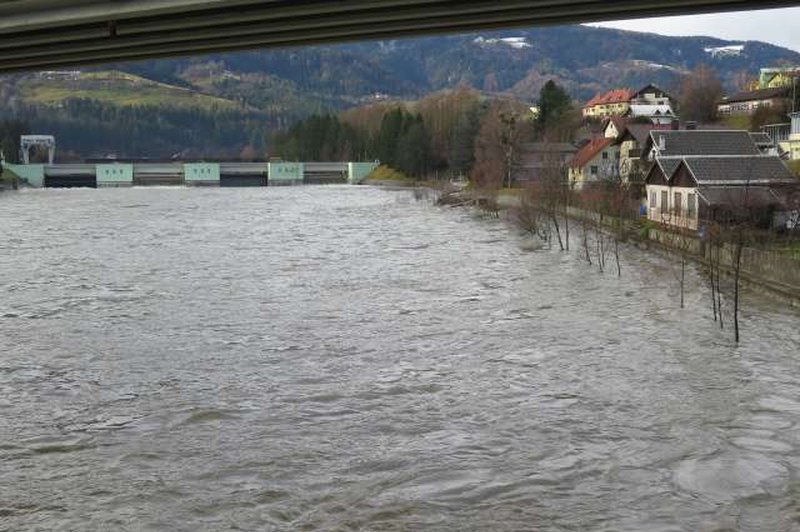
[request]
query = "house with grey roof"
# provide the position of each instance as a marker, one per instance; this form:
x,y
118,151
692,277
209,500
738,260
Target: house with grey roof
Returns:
x,y
672,143
748,102
686,191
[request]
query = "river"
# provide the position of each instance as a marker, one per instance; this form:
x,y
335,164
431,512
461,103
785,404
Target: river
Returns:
x,y
350,358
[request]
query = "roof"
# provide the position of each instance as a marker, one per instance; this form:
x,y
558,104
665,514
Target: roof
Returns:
x,y
668,165
640,132
760,94
653,87
650,110
612,96
548,147
702,142
752,197
739,170
590,151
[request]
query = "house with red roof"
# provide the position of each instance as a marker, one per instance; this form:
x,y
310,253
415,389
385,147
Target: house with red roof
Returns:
x,y
596,161
615,102
649,101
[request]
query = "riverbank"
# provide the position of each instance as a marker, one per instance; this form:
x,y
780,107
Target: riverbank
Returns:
x,y
769,272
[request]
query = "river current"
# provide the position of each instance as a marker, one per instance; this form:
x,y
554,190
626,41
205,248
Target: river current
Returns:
x,y
350,358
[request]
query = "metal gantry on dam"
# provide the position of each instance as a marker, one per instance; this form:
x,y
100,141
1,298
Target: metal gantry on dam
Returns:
x,y
122,174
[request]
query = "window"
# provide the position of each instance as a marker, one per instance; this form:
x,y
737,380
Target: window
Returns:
x,y
664,201
678,203
593,170
605,155
653,198
691,205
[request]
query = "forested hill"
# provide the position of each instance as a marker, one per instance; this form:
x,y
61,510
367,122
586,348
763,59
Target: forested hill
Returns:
x,y
222,104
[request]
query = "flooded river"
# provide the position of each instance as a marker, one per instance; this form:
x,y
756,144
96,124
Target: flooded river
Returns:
x,y
348,358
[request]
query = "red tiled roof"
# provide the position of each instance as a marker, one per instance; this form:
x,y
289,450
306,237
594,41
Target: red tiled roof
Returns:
x,y
590,151
612,96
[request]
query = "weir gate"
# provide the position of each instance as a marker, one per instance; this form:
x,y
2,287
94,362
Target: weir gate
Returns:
x,y
235,174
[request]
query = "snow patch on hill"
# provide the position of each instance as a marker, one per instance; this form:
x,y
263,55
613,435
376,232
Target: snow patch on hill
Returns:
x,y
518,43
731,50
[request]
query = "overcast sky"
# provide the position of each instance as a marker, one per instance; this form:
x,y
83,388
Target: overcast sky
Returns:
x,y
775,26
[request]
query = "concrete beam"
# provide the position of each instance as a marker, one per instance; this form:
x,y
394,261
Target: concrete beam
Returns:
x,y
38,34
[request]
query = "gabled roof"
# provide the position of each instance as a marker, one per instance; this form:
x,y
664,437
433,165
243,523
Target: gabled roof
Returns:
x,y
702,142
737,170
757,95
667,165
638,109
641,132
619,122
590,151
747,197
612,96
650,86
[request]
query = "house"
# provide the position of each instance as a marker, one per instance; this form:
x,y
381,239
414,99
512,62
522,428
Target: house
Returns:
x,y
748,102
647,101
764,144
612,103
786,137
661,114
536,159
651,95
771,78
633,138
596,161
614,126
679,143
683,192
794,137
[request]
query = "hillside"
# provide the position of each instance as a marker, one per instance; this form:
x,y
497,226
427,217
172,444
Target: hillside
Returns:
x,y
116,88
270,89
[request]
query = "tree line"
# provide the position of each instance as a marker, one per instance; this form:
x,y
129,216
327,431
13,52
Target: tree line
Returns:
x,y
452,133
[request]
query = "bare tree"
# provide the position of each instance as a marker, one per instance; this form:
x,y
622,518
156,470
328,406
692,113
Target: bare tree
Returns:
x,y
699,92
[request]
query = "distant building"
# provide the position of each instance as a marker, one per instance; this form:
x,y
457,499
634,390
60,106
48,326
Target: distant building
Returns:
x,y
786,136
661,115
536,159
594,162
748,102
631,141
794,137
615,102
772,78
647,101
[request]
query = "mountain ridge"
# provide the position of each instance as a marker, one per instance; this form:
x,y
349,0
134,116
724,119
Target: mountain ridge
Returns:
x,y
278,87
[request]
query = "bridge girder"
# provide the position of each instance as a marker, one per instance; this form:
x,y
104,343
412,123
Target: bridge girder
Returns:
x,y
45,34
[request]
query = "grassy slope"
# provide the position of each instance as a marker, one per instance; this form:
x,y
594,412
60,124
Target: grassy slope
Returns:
x,y
119,89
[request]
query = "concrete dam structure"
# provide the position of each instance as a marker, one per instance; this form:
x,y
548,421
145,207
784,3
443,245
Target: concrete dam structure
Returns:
x,y
231,174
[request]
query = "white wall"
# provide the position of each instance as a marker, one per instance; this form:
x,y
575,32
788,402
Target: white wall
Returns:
x,y
667,213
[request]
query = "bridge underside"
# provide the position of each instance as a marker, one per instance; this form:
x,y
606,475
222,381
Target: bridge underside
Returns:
x,y
42,34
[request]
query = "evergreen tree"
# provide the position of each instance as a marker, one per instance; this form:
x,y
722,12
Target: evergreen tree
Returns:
x,y
413,154
462,144
554,104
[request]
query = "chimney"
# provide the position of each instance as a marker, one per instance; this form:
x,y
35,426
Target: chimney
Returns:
x,y
691,126
675,125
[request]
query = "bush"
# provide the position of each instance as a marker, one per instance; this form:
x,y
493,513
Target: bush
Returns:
x,y
387,173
